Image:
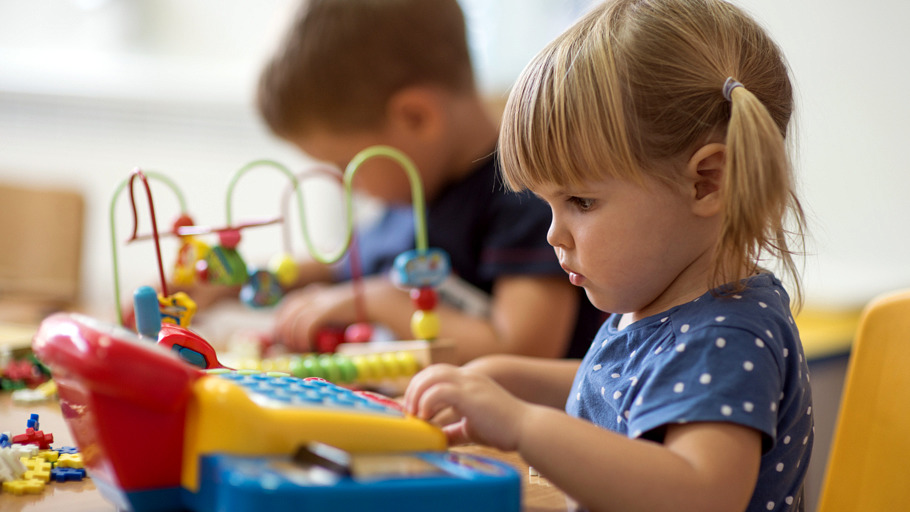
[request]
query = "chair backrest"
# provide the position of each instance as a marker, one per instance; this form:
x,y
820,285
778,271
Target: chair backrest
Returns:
x,y
40,243
869,466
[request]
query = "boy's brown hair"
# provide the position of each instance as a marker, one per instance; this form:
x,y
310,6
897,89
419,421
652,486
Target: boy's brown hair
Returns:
x,y
342,60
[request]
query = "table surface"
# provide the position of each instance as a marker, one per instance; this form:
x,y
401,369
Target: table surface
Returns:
x,y
538,494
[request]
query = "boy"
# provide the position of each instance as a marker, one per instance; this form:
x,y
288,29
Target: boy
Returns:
x,y
357,73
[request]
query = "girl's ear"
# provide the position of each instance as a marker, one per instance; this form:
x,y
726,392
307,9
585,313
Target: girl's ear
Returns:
x,y
705,173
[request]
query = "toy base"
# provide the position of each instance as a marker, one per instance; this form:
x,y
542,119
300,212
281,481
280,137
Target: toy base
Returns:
x,y
438,481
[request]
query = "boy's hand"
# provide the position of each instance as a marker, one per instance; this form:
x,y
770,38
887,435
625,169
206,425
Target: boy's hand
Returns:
x,y
470,407
303,312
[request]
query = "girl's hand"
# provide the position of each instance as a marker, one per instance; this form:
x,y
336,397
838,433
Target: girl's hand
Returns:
x,y
471,407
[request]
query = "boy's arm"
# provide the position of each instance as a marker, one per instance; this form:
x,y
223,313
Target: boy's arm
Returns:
x,y
532,316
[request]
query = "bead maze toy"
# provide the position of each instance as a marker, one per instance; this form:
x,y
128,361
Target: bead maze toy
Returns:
x,y
226,439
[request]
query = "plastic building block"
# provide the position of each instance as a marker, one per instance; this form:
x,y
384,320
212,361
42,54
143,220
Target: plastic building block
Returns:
x,y
11,468
20,487
49,455
33,422
4,440
24,450
67,449
70,460
36,437
67,474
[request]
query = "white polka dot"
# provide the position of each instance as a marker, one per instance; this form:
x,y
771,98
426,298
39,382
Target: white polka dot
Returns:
x,y
737,297
791,320
806,440
679,387
789,500
786,352
762,304
780,467
617,394
720,318
637,433
681,347
597,367
748,366
578,396
615,375
627,414
721,343
748,406
787,440
639,400
633,380
773,406
759,343
770,505
726,410
809,410
604,344
658,350
705,378
633,353
618,419
602,391
770,334
684,328
664,319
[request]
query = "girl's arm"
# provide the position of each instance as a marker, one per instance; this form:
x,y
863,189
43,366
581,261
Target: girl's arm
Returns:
x,y
698,466
532,379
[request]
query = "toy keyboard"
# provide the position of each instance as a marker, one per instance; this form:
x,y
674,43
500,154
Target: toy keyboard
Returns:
x,y
157,433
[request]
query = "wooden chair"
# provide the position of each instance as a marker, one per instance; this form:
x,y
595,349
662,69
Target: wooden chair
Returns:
x,y
869,466
40,251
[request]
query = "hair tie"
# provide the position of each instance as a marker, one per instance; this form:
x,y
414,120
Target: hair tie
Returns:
x,y
730,84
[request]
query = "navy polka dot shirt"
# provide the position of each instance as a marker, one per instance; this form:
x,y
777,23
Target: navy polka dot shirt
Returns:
x,y
732,358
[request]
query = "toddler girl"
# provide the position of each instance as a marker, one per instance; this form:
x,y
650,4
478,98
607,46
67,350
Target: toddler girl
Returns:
x,y
654,129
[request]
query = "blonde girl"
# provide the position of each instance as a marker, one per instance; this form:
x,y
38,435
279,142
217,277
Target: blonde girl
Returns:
x,y
655,130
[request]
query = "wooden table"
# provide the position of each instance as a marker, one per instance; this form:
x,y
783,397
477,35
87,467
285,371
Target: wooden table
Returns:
x,y
538,494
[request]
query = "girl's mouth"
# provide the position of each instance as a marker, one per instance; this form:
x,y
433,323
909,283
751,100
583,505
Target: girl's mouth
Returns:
x,y
576,278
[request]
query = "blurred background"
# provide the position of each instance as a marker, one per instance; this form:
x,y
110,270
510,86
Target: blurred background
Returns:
x,y
91,89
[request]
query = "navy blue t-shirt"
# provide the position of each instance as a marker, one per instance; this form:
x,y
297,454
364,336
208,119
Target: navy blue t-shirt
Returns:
x,y
488,231
733,358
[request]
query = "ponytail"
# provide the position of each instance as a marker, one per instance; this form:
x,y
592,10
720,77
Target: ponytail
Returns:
x,y
759,190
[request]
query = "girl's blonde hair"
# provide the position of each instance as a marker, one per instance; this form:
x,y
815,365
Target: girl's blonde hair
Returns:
x,y
638,83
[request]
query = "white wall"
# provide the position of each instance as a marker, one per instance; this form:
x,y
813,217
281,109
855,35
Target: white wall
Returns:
x,y
90,89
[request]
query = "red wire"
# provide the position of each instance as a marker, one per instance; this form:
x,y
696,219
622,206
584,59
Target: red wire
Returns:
x,y
148,194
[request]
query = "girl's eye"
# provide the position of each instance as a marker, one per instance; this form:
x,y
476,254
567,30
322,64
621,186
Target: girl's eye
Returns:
x,y
582,203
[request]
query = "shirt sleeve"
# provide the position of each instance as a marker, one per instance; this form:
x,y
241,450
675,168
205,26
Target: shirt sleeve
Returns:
x,y
714,374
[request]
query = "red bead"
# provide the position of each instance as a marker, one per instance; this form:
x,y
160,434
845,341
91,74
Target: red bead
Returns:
x,y
229,238
202,271
183,220
360,332
424,299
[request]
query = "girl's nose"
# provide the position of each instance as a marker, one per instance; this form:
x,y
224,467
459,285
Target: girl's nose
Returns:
x,y
557,235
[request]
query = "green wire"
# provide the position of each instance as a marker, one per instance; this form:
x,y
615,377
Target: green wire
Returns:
x,y
116,262
418,205
420,230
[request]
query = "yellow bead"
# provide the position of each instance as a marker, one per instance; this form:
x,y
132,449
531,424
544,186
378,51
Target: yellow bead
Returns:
x,y
285,269
389,365
407,363
425,325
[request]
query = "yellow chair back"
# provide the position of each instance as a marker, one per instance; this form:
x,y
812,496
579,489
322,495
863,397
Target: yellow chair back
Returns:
x,y
869,466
